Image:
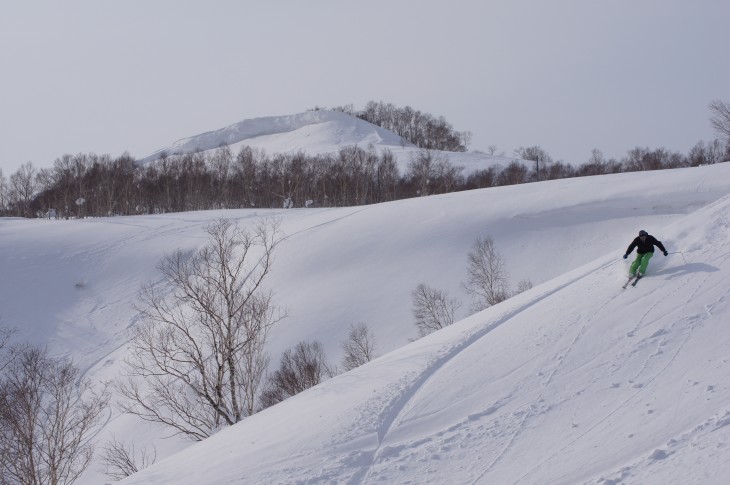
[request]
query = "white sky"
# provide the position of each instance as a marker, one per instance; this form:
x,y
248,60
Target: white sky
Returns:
x,y
105,77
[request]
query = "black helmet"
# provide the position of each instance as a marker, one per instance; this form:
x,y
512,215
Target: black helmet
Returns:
x,y
643,233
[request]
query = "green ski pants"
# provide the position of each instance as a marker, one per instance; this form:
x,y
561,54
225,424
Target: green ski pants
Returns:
x,y
641,262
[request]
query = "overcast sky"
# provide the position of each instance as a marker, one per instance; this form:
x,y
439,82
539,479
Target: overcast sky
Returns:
x,y
569,75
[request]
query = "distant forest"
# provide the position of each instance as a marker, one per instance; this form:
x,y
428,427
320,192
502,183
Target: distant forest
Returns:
x,y
90,185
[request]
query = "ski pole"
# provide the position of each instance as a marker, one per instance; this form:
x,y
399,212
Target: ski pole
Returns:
x,y
680,252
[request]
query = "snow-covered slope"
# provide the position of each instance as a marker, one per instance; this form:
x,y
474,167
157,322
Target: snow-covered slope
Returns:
x,y
71,285
316,132
575,381
309,131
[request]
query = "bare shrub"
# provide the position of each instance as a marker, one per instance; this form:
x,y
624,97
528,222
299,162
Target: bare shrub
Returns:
x,y
487,276
433,309
523,286
359,347
122,460
300,368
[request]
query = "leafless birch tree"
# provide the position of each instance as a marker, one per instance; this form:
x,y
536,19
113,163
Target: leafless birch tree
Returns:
x,y
487,276
359,347
197,359
46,418
721,118
433,309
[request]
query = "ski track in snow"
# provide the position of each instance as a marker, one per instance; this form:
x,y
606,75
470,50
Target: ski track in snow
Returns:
x,y
392,411
326,223
561,357
663,332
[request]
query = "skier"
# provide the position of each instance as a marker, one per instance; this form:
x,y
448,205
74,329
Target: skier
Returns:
x,y
644,245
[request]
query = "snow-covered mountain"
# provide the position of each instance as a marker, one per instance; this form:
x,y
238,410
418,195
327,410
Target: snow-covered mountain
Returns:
x,y
573,381
316,132
312,132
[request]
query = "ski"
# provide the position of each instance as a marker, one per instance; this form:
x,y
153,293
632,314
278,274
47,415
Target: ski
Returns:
x,y
633,280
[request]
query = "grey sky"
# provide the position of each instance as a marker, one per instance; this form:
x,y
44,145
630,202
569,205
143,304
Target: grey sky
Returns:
x,y
569,75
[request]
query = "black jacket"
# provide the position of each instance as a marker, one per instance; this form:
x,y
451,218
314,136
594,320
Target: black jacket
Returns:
x,y
646,246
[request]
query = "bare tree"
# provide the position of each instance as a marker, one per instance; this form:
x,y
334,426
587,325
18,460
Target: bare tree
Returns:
x,y
431,172
422,170
433,309
5,334
595,165
46,418
3,192
301,368
513,174
22,188
255,362
537,155
222,169
122,460
523,286
359,347
721,117
533,153
466,137
196,359
487,276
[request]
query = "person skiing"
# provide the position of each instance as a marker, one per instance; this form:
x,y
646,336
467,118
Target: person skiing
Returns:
x,y
644,245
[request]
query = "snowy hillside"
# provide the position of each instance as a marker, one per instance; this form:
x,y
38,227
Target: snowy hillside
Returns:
x,y
316,132
307,131
569,382
575,381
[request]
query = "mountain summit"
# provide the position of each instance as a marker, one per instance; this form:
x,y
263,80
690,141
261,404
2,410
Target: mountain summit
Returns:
x,y
316,133
313,132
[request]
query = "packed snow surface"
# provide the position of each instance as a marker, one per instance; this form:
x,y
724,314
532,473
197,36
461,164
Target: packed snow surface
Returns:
x,y
573,381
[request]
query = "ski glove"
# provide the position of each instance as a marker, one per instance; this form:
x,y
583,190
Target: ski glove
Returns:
x,y
666,253
626,256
